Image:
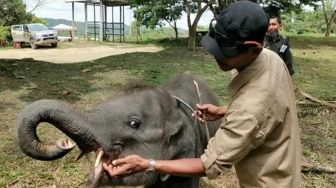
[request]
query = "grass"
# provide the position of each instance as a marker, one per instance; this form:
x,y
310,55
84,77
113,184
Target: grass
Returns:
x,y
88,83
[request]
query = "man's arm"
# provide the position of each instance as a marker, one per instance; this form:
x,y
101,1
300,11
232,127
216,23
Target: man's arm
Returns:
x,y
210,112
134,163
182,167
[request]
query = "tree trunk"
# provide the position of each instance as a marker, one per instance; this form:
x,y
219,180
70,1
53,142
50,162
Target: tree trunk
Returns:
x,y
174,26
327,33
193,27
329,24
176,33
328,21
192,38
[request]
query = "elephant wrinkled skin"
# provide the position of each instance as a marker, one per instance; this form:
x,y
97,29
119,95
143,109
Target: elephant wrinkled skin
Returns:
x,y
153,122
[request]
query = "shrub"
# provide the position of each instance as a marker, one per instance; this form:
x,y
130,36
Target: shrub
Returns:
x,y
4,35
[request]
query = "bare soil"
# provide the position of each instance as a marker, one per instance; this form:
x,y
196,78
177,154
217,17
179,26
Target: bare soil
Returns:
x,y
75,52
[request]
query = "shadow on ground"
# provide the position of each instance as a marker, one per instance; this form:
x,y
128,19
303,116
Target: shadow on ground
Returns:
x,y
71,81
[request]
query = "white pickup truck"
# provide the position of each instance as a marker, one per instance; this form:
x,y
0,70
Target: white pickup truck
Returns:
x,y
35,34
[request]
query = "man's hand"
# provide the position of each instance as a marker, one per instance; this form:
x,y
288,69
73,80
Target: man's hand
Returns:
x,y
126,166
210,112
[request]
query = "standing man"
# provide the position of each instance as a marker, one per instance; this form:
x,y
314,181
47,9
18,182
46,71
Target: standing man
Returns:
x,y
259,135
279,43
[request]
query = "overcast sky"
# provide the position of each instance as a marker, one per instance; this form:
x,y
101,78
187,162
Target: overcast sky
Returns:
x,y
58,9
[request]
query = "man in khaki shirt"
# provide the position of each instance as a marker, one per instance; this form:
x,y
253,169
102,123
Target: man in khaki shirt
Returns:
x,y
260,135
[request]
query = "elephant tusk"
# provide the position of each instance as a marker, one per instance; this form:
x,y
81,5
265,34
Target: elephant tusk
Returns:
x,y
99,156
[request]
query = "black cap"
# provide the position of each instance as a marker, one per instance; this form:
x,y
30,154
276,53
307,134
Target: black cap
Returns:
x,y
241,24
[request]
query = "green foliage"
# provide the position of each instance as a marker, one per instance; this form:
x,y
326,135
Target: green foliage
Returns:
x,y
153,13
329,5
149,35
202,28
275,7
13,12
39,20
133,28
304,23
4,32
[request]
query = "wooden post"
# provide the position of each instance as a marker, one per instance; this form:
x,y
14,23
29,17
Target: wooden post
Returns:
x,y
73,22
112,24
86,21
123,23
94,21
120,17
105,24
101,21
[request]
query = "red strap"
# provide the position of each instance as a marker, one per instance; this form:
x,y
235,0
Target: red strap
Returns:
x,y
249,42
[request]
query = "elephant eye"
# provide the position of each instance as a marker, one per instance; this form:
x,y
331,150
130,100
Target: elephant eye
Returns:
x,y
134,123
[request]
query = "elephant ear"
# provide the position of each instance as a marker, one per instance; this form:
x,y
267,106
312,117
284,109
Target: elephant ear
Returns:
x,y
173,127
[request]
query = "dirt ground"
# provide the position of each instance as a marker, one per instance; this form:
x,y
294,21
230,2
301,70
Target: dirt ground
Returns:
x,y
75,54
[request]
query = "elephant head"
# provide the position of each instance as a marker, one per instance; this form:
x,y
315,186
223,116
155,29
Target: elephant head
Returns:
x,y
146,121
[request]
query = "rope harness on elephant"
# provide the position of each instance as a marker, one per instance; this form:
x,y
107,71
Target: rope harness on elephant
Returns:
x,y
196,126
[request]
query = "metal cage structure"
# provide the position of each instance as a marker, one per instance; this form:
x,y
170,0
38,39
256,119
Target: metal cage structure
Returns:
x,y
101,28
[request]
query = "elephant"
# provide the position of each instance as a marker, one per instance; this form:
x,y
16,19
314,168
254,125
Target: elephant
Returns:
x,y
153,122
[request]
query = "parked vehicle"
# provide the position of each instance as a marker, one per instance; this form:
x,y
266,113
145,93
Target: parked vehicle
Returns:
x,y
35,34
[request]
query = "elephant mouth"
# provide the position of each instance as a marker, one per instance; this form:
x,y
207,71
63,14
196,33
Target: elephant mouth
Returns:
x,y
100,177
106,156
98,171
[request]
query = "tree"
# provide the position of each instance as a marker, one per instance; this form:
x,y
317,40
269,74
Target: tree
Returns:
x,y
270,6
13,12
220,5
39,20
4,33
282,6
329,12
170,11
304,22
33,5
152,13
197,7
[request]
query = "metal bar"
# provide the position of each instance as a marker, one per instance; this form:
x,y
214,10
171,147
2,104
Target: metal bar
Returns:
x,y
112,24
120,22
105,21
101,21
94,21
73,21
86,21
123,23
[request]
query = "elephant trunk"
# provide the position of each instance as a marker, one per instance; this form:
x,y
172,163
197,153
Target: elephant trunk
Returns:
x,y
61,115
